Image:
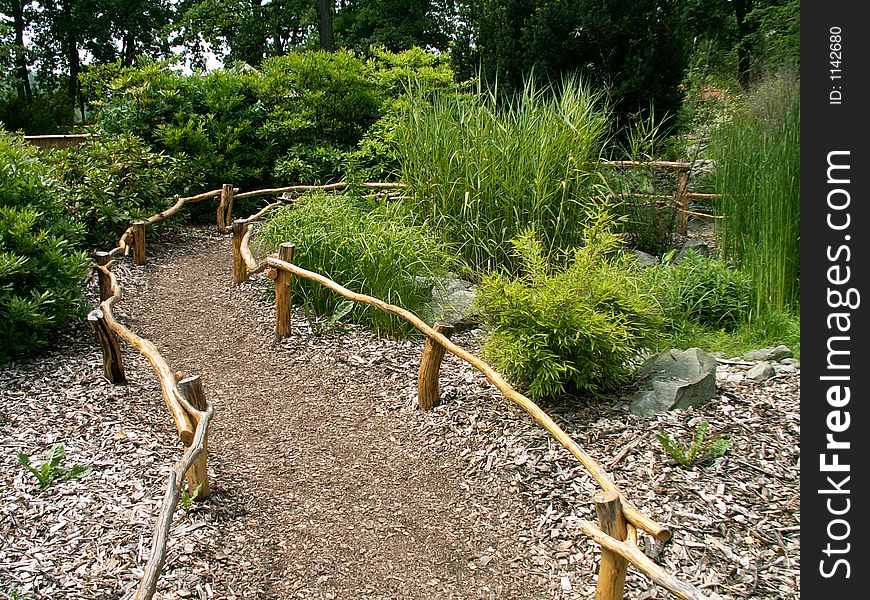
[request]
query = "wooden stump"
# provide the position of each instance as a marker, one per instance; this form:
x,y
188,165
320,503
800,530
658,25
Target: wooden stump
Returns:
x,y
137,242
681,199
611,573
240,269
283,295
105,283
113,367
428,389
225,208
191,388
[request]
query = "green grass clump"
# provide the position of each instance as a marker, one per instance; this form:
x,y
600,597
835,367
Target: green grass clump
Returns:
x,y
701,289
376,251
481,171
758,175
574,329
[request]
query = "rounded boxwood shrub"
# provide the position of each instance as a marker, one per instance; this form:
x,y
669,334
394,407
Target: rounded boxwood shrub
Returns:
x,y
41,270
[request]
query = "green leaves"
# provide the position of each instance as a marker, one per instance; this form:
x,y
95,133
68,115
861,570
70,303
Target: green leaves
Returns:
x,y
568,329
51,471
699,450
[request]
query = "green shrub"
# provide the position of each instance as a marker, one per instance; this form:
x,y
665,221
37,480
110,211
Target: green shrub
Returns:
x,y
482,171
572,329
702,289
115,180
40,269
376,251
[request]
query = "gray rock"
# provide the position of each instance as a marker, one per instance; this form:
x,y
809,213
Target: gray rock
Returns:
x,y
452,303
735,377
644,259
697,246
675,380
769,354
761,372
791,361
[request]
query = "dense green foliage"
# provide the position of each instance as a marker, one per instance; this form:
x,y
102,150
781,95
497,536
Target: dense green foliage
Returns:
x,y
374,251
758,175
568,330
113,181
40,270
703,290
481,171
300,118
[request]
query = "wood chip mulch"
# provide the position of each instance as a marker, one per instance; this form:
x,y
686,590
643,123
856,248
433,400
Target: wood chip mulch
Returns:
x,y
498,520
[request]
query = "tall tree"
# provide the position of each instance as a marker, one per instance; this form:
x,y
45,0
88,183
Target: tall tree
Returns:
x,y
16,9
638,49
324,24
243,30
396,24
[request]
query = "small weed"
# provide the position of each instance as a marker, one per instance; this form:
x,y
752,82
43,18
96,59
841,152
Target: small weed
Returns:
x,y
187,499
700,450
50,471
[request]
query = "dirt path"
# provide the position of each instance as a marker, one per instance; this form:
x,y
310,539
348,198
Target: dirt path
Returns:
x,y
322,484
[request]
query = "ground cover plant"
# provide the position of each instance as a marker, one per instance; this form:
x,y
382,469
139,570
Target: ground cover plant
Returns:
x,y
41,270
375,250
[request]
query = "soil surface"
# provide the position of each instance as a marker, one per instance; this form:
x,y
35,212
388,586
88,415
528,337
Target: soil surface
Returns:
x,y
328,482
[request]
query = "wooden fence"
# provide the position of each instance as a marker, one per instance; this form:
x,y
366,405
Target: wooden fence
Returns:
x,y
619,519
50,142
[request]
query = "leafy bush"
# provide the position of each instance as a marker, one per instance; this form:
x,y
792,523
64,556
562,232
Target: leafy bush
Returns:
x,y
40,269
376,251
482,171
571,329
115,180
702,289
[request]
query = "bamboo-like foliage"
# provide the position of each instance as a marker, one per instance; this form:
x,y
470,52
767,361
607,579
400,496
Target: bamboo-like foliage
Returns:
x,y
482,171
758,175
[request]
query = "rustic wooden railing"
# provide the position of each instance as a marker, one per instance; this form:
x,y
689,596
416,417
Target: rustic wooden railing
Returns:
x,y
682,197
618,517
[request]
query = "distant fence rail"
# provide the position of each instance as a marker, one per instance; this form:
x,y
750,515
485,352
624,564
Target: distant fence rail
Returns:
x,y
618,518
57,141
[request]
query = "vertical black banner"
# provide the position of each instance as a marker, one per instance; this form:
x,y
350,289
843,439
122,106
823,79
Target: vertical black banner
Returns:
x,y
835,299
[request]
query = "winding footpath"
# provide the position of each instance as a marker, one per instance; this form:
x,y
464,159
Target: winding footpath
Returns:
x,y
321,483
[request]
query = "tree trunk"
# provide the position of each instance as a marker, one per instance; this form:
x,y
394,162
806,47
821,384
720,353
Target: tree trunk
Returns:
x,y
72,52
24,91
324,25
741,9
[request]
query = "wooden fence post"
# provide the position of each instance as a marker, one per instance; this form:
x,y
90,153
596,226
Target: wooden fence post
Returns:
x,y
113,367
197,474
137,241
240,269
681,200
225,208
611,572
103,282
428,390
283,295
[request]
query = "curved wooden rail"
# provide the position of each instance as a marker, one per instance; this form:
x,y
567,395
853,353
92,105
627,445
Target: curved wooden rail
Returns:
x,y
636,517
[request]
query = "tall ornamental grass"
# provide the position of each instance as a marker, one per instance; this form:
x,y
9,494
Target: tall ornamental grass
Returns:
x,y
377,251
482,171
758,175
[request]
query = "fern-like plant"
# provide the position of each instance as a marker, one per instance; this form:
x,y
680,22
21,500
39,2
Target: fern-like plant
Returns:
x,y
699,450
